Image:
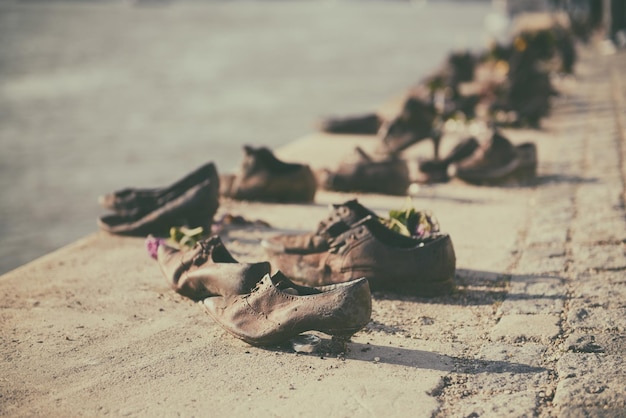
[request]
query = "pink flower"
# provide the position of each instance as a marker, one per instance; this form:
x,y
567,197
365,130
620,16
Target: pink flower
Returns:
x,y
152,245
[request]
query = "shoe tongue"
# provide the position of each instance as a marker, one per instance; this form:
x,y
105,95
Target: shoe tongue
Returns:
x,y
500,143
283,284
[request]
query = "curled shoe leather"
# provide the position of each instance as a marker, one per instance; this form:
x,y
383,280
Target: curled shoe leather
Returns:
x,y
278,309
339,220
195,207
389,260
134,201
208,269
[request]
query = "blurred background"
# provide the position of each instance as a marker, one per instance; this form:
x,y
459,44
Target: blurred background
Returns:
x,y
96,96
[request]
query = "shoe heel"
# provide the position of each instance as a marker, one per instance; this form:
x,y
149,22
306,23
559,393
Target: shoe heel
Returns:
x,y
525,175
340,338
436,138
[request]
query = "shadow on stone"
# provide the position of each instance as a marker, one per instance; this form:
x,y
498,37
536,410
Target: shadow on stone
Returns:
x,y
419,359
563,178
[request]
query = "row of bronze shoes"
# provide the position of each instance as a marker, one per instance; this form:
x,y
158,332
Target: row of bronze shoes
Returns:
x,y
194,199
511,79
506,85
322,280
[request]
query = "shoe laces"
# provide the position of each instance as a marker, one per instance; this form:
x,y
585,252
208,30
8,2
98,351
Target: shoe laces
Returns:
x,y
206,248
335,224
348,236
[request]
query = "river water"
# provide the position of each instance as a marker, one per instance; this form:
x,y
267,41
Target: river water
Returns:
x,y
100,95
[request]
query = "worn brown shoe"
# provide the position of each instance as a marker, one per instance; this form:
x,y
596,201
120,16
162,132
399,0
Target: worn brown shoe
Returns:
x,y
365,174
340,219
263,177
391,261
193,208
367,124
279,309
435,171
492,162
208,269
499,161
132,201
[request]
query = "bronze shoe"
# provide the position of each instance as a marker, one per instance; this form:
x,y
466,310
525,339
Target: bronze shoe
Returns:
x,y
391,261
263,177
194,207
389,175
208,269
499,161
435,171
367,124
278,309
340,219
131,201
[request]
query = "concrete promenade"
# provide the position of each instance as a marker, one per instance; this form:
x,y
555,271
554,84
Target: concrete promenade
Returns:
x,y
536,328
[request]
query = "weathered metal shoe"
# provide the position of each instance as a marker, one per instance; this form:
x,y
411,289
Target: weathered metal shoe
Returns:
x,y
389,175
193,208
208,269
367,124
340,219
499,161
435,171
134,201
389,260
263,177
278,309
492,162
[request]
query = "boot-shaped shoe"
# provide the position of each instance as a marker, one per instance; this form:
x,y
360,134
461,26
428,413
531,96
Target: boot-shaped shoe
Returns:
x,y
491,163
263,177
365,174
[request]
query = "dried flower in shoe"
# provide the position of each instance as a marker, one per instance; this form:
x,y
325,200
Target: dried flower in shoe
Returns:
x,y
153,244
411,222
185,237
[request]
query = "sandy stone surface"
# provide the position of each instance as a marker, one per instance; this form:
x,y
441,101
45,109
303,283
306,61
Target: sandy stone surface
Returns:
x,y
534,327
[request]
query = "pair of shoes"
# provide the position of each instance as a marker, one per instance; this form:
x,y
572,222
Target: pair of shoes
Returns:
x,y
367,124
499,160
353,243
389,175
263,177
260,308
191,201
436,171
